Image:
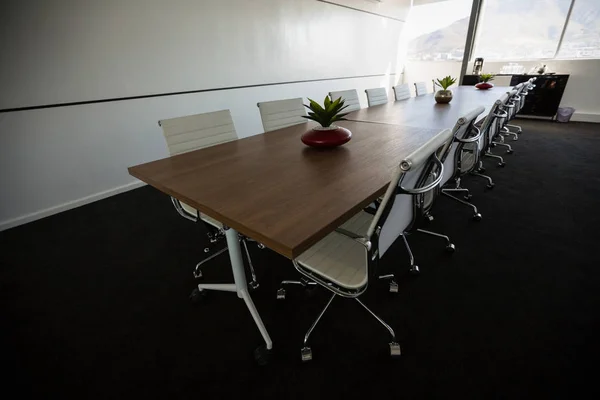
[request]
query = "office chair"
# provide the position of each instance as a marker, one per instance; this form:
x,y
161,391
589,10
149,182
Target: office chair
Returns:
x,y
522,94
465,132
194,132
280,114
350,98
473,152
509,106
344,261
420,88
376,96
494,130
401,92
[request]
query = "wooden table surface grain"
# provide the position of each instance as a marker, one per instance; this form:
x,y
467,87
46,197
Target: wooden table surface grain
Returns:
x,y
274,189
424,112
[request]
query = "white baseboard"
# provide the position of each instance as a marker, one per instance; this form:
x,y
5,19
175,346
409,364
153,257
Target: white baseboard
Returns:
x,y
23,219
584,117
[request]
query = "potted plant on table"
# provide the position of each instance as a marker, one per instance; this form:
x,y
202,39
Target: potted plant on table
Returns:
x,y
444,96
328,134
484,82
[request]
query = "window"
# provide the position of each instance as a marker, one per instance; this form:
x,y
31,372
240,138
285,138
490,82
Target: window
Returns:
x,y
582,37
521,29
437,31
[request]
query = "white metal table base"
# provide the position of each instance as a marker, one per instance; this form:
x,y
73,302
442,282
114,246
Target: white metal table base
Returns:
x,y
240,286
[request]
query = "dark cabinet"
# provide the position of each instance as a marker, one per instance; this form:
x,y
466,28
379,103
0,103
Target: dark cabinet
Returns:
x,y
544,99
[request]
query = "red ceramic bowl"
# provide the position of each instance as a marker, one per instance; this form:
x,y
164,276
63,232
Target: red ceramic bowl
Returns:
x,y
327,137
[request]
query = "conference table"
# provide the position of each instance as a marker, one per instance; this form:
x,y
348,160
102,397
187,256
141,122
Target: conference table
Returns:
x,y
423,111
275,190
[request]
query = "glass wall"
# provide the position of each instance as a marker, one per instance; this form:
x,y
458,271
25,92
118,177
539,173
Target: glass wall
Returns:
x,y
582,36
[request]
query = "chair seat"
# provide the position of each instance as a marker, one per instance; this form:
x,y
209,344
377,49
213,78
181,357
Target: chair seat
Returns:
x,y
339,259
209,220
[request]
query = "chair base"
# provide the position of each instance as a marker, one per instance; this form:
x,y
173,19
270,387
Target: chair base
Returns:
x,y
447,192
501,163
306,352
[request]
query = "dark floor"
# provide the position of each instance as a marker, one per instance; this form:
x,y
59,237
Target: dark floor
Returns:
x,y
95,300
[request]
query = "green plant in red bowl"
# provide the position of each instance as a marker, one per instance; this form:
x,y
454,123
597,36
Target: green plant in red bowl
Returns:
x,y
484,81
327,134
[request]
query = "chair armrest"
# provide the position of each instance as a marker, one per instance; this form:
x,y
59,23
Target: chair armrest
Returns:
x,y
471,139
503,115
429,187
357,238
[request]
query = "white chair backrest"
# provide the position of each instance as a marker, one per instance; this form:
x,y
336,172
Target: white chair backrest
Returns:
x,y
462,130
420,88
376,96
198,131
281,113
396,211
402,92
350,98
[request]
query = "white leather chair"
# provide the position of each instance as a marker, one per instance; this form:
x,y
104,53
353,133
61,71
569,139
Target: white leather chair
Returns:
x,y
473,152
495,127
518,102
465,132
401,92
350,98
280,114
420,88
376,96
509,107
344,260
193,132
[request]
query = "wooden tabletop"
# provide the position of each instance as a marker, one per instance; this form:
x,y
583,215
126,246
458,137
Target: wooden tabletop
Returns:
x,y
274,189
424,112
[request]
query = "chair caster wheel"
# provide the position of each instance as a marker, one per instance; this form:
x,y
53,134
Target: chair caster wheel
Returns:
x,y
198,295
450,248
501,164
262,355
414,269
306,354
197,273
261,246
468,197
395,349
509,151
253,285
477,217
429,217
490,186
281,294
393,287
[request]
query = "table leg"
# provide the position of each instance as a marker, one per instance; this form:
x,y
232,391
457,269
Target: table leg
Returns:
x,y
241,287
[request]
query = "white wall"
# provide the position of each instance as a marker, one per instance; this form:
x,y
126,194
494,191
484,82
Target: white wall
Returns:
x,y
582,88
76,50
425,71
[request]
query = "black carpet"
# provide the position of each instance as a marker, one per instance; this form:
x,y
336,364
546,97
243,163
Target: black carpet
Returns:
x,y
95,300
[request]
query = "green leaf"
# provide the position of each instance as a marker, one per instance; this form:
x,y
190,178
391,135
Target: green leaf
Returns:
x,y
315,106
326,102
